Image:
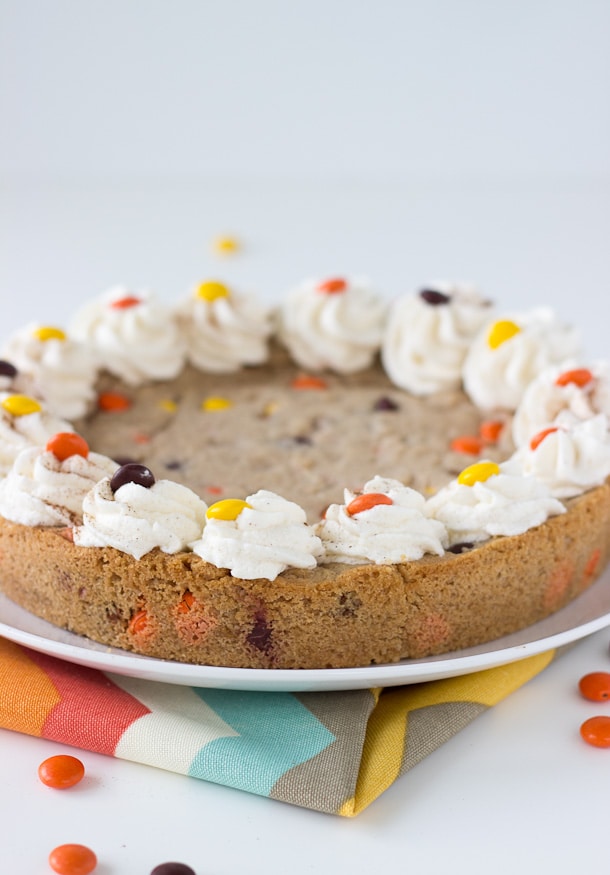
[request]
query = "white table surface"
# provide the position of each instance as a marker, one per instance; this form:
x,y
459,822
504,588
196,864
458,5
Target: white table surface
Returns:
x,y
518,790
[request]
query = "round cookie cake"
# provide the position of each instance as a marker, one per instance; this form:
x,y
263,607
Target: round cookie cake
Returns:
x,y
331,483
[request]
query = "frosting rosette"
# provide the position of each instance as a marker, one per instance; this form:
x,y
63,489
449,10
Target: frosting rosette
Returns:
x,y
510,352
487,500
259,537
135,519
133,336
385,524
58,369
24,423
42,490
569,460
428,335
223,329
563,395
335,324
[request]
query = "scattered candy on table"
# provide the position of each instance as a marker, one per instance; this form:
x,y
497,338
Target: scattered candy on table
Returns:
x,y
61,771
596,731
72,859
595,686
172,869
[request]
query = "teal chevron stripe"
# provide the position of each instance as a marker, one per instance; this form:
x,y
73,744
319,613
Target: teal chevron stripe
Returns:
x,y
276,733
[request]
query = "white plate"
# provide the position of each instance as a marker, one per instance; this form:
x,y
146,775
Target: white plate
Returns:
x,y
587,614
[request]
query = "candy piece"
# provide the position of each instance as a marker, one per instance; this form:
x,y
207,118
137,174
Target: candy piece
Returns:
x,y
61,771
470,445
501,331
366,501
227,509
65,444
168,405
138,623
478,473
225,245
211,290
490,430
7,369
172,869
215,490
538,438
113,402
47,332
72,860
385,405
596,731
125,303
595,686
20,405
132,472
578,376
332,286
215,402
139,437
186,602
431,296
308,381
462,547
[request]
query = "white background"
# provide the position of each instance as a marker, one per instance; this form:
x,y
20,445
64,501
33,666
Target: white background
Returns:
x,y
406,141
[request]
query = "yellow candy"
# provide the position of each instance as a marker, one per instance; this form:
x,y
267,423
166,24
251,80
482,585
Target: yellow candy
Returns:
x,y
47,332
215,402
20,405
168,405
478,473
502,331
227,509
211,290
225,245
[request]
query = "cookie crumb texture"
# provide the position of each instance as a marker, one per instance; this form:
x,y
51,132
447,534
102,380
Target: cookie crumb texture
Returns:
x,y
181,608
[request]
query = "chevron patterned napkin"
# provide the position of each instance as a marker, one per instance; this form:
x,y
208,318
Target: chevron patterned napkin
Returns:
x,y
332,752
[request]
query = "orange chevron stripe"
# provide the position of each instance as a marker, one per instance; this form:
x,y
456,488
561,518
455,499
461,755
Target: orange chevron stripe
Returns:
x,y
27,694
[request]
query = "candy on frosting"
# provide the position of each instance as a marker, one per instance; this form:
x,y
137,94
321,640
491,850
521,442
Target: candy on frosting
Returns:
x,y
509,353
24,423
334,324
475,508
42,490
58,369
562,395
428,335
224,330
135,519
567,459
134,337
390,527
258,538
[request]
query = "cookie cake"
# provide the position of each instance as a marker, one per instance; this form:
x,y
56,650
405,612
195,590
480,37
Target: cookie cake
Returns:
x,y
333,482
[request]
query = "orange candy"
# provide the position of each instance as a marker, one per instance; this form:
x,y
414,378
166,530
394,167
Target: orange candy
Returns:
x,y
595,686
308,381
332,286
490,430
470,445
366,501
113,402
596,731
538,438
72,860
125,303
61,772
66,444
138,623
578,376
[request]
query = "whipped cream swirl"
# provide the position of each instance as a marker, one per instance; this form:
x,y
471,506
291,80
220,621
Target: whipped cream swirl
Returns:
x,y
504,504
335,324
134,337
20,432
384,533
40,490
568,460
497,373
135,519
428,335
58,369
224,332
549,400
270,535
